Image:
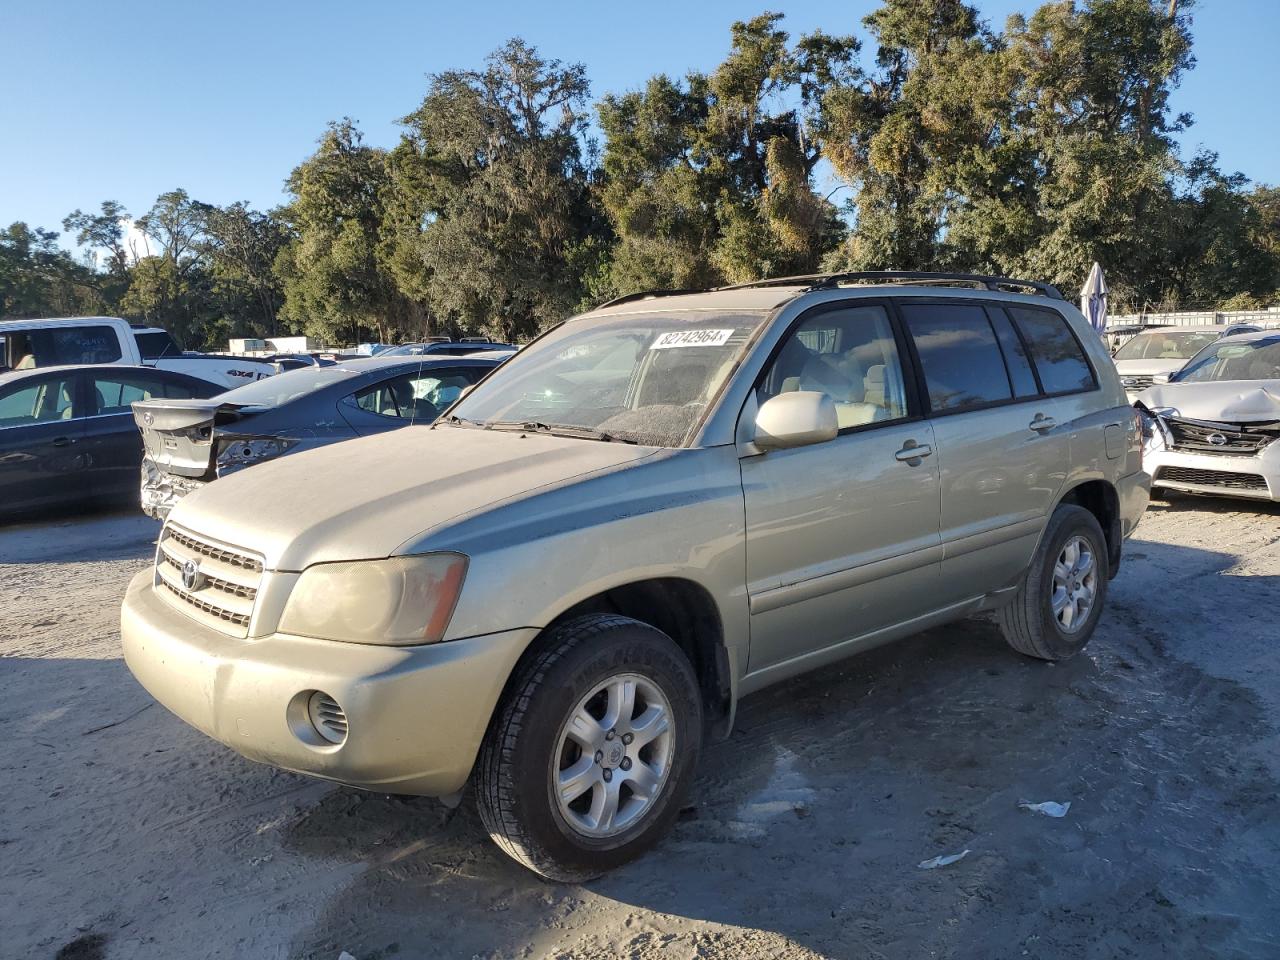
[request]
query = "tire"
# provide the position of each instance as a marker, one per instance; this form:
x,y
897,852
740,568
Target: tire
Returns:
x,y
1029,623
583,667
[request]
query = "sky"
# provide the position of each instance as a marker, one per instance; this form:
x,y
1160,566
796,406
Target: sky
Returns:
x,y
125,100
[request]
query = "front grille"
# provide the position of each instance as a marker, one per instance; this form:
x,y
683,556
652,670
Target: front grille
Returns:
x,y
1211,478
1135,384
1216,439
225,583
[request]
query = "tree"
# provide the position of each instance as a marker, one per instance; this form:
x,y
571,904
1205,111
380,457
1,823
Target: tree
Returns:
x,y
334,284
491,211
905,138
241,246
38,279
103,231
711,179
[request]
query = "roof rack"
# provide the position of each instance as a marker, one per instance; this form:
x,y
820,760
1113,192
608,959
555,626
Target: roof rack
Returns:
x,y
827,281
646,295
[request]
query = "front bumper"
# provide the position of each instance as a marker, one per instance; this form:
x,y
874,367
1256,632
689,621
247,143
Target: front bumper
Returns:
x,y
416,715
1249,478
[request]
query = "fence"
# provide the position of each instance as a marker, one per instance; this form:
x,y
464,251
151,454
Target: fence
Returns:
x,y
1194,318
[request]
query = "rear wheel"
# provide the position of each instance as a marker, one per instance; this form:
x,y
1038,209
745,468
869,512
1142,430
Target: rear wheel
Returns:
x,y
1058,604
588,760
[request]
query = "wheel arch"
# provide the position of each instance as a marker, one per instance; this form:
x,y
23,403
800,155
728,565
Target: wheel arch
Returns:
x,y
1100,497
686,612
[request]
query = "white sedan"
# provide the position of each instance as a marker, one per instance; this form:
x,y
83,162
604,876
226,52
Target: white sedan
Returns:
x,y
1215,422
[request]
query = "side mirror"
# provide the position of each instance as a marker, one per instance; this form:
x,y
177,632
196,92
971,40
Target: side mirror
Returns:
x,y
796,419
1161,378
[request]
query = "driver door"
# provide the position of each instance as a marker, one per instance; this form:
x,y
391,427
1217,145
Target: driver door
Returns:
x,y
843,536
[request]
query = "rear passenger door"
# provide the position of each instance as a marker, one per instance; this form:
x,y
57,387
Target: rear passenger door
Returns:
x,y
1003,447
41,454
842,536
113,444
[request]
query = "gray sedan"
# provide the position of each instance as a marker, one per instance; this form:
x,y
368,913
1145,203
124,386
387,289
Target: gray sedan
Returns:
x,y
192,442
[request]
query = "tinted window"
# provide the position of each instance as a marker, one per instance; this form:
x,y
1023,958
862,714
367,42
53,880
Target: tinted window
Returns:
x,y
56,346
38,402
850,355
114,392
1015,355
1058,356
960,357
156,344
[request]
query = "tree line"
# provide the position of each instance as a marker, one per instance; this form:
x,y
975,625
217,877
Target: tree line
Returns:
x,y
929,142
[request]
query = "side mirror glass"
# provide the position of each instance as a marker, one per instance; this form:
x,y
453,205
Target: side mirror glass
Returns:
x,y
796,419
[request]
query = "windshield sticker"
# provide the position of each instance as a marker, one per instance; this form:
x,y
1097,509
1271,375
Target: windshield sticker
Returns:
x,y
692,338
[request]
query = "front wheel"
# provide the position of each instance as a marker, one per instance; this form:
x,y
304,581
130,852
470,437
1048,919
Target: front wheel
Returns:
x,y
1060,599
588,760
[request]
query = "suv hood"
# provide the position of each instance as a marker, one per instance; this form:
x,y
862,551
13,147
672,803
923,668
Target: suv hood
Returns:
x,y
364,499
1223,401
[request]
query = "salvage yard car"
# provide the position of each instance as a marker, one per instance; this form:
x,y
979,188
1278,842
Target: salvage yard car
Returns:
x,y
192,442
1161,352
1217,420
652,510
67,437
31,344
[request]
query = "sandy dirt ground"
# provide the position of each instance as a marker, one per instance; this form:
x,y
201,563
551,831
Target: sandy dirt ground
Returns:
x,y
127,834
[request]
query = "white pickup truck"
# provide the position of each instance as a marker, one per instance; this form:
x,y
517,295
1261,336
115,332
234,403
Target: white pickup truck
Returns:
x,y
25,344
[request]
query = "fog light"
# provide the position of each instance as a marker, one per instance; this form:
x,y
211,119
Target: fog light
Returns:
x,y
327,717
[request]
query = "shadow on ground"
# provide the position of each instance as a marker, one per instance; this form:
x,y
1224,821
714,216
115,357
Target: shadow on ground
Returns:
x,y
811,820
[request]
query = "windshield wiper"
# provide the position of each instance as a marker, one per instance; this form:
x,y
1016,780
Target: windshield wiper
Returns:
x,y
462,421
557,430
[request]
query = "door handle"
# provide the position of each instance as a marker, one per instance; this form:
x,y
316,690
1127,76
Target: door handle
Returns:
x,y
64,441
913,452
1042,423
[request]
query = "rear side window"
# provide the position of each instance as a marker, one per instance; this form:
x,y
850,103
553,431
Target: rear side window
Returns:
x,y
114,394
58,346
156,344
1058,356
1015,356
959,355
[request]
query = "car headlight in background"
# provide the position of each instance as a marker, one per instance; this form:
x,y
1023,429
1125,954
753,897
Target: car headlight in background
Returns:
x,y
235,453
400,601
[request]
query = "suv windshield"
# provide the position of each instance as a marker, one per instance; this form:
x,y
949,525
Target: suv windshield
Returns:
x,y
1166,345
638,378
1255,360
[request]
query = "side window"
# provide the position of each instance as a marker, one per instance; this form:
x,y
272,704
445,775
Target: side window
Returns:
x,y
1015,355
55,346
850,355
413,396
178,391
959,355
27,403
1058,356
113,394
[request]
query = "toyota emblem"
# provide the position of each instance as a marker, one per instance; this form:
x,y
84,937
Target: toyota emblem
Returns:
x,y
148,419
191,574
1217,439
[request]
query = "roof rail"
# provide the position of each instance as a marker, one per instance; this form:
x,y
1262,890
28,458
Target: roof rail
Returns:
x,y
826,281
645,295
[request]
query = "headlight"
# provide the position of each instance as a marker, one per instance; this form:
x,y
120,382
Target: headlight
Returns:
x,y
404,600
235,453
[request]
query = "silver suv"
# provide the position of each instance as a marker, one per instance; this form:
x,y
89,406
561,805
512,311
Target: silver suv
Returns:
x,y
658,507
